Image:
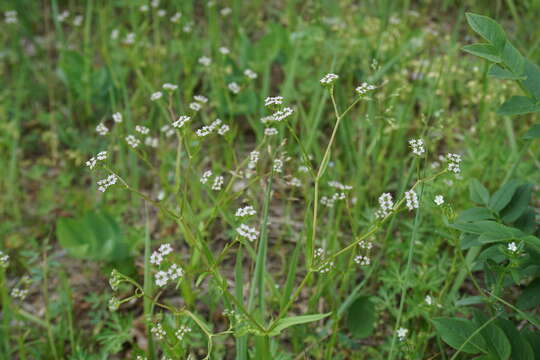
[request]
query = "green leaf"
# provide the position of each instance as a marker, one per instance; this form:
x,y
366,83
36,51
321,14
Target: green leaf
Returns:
x,y
284,323
532,83
518,205
475,214
518,105
532,241
502,197
94,236
498,72
521,350
459,332
513,59
481,227
488,29
496,341
485,51
533,132
478,193
361,317
530,297
527,221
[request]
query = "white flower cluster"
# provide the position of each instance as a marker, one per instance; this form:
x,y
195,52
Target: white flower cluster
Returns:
x,y
245,211
253,158
224,50
180,122
176,17
386,204
250,74
329,79
182,331
439,200
169,86
339,186
278,165
195,106
168,130
234,87
205,61
208,129
411,200
158,332
364,244
266,119
10,16
453,163
102,129
117,117
174,272
282,114
142,129
129,39
206,176
17,293
92,162
151,141
512,247
133,141
270,131
417,146
362,260
326,267
364,88
156,96
330,201
103,184
157,256
218,183
276,100
402,333
296,182
247,232
223,129
201,99
4,260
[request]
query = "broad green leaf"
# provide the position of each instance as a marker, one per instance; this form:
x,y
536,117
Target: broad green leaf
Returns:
x,y
533,132
458,333
481,227
94,236
527,221
532,241
518,205
520,347
533,338
361,317
488,29
532,83
518,105
485,51
530,297
513,59
498,72
467,240
496,341
475,214
478,193
287,322
502,197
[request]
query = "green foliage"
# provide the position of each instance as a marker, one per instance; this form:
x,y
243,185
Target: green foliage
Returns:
x,y
361,317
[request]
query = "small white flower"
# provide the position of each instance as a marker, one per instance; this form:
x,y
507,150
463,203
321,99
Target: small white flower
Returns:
x,y
17,293
155,3
402,333
296,182
114,34
253,158
337,185
63,16
142,129
129,39
92,162
180,122
103,184
250,74
362,260
278,165
165,249
439,200
162,278
156,258
205,60
161,13
176,17
10,16
206,176
204,131
282,114
247,232
144,8
187,29
4,260
270,131
102,129
454,161
303,169
182,331
417,146
225,11
512,247
195,106
156,96
218,183
411,200
234,87
201,99
158,332
276,100
224,50
245,211
151,141
117,117
170,87
223,129
168,130
329,79
77,21
133,141
429,300
386,204
175,272
364,88
364,244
